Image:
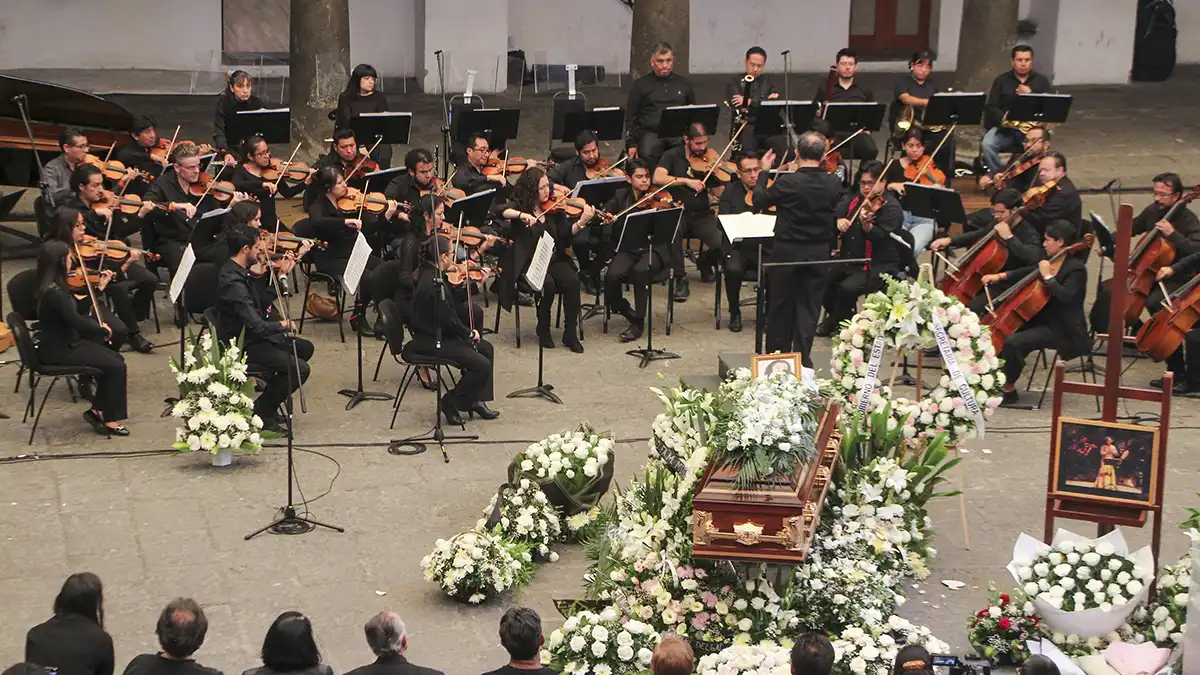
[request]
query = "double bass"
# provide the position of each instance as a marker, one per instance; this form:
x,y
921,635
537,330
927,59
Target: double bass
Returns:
x,y
1152,252
990,253
1164,333
1019,304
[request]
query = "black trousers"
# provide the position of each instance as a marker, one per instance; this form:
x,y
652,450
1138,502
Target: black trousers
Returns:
x,y
172,253
846,285
740,258
794,298
561,279
110,398
636,269
132,296
1020,344
703,226
1185,362
1098,317
277,358
475,362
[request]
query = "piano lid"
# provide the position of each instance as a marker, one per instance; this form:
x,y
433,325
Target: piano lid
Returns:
x,y
61,105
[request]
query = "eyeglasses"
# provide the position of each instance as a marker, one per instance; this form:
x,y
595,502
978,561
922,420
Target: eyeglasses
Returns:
x,y
81,146
1163,194
867,182
263,153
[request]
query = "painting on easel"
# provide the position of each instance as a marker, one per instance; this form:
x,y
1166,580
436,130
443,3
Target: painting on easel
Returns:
x,y
1105,462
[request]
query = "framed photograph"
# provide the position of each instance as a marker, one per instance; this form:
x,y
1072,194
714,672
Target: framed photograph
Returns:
x,y
762,365
1105,462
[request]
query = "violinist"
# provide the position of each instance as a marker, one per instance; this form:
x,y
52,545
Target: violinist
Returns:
x,y
688,187
868,230
469,176
1063,202
761,88
805,230
248,178
1185,361
236,97
128,285
87,184
741,256
1035,145
171,229
1022,79
1182,230
136,155
343,155
439,332
361,97
914,91
341,231
906,169
245,302
529,221
845,89
1060,325
57,172
569,174
634,264
649,96
407,188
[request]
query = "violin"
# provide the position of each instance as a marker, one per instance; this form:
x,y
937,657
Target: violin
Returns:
x,y
442,189
295,171
1164,333
471,237
604,168
496,166
289,242
1152,252
220,190
161,152
930,176
662,200
989,254
79,279
749,199
374,202
114,249
364,166
1024,163
572,206
459,273
833,160
723,171
127,204
1026,298
112,169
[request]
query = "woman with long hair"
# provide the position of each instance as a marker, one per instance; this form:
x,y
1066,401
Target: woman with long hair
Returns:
x,y
361,96
69,338
289,648
562,278
73,641
68,226
237,96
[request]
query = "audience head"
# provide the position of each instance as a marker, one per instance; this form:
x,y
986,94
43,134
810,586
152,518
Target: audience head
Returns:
x,y
181,628
81,594
913,660
812,654
672,656
386,633
1038,664
289,644
521,633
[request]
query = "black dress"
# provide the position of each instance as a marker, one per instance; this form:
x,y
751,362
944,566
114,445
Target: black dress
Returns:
x,y
330,226
70,339
562,277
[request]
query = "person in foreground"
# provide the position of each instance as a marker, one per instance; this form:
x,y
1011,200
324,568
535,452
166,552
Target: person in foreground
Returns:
x,y
181,630
913,660
521,636
73,641
812,654
289,648
672,656
387,637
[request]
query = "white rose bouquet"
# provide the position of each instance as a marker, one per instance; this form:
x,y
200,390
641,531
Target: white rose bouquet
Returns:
x,y
574,469
841,591
859,651
757,614
600,644
522,513
216,405
1168,618
766,658
1082,586
473,566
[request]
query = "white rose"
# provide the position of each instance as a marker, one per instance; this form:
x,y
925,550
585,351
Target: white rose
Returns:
x,y
1031,589
1160,614
745,624
1114,564
625,652
1067,583
740,604
1062,570
1123,578
578,643
1073,558
644,656
1066,546
1134,587
1055,558
1083,573
1105,549
1042,569
599,648
1025,574
1091,558
600,633
1105,575
858,666
1095,585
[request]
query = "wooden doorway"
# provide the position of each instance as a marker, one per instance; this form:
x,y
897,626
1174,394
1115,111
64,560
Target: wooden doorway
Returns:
x,y
889,28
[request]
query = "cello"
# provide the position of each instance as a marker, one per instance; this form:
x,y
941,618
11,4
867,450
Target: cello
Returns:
x,y
1159,337
990,253
1019,304
1152,252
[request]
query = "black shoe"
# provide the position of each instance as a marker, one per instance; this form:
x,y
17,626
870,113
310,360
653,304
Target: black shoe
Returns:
x,y
545,340
97,423
826,328
573,343
485,413
139,343
1010,399
118,430
682,289
1183,387
273,424
1156,384
588,286
633,332
707,274
450,412
735,322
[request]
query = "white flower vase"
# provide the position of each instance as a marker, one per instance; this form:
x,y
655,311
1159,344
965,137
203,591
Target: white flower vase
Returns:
x,y
223,457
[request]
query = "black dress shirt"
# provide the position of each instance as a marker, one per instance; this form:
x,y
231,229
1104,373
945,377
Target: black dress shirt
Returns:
x,y
71,644
95,224
254,186
804,201
649,96
887,253
855,93
471,180
61,326
908,85
733,200
227,133
1186,236
134,156
404,189
568,173
429,311
174,225
1063,203
352,105
675,161
245,304
1064,313
1004,94
154,664
330,225
1024,247
762,87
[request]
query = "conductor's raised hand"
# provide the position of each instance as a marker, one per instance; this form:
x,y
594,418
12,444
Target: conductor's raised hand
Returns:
x,y
767,161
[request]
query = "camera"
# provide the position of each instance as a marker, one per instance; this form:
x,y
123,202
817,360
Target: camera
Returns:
x,y
953,665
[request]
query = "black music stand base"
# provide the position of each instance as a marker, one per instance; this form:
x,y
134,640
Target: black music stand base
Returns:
x,y
649,353
542,390
358,395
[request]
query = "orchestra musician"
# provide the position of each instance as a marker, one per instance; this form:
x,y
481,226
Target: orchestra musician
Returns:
x,y
1034,146
871,234
568,174
1022,79
689,188
915,91
1185,361
361,97
87,187
634,264
344,154
435,318
649,96
762,88
236,97
805,229
172,229
846,90
70,338
67,228
136,154
528,223
245,302
1060,325
1063,202
248,178
57,172
1182,230
921,228
740,256
406,187
469,176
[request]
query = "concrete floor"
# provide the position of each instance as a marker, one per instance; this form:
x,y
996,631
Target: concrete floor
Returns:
x,y
154,527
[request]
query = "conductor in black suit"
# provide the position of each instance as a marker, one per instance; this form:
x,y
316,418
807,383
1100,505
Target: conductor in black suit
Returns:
x,y
388,638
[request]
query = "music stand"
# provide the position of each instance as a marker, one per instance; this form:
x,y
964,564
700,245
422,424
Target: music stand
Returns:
x,y
607,123
770,116
941,204
677,118
498,124
953,108
563,104
473,209
273,124
1041,109
383,176
655,228
394,127
598,191
851,117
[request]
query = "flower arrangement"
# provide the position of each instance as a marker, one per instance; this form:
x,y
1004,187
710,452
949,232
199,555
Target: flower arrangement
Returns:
x,y
522,513
767,425
216,405
903,314
842,591
684,426
473,566
765,658
574,468
1168,618
871,649
600,644
999,631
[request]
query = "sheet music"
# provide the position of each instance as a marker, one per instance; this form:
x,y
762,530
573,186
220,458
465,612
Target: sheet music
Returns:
x,y
263,111
748,225
596,181
373,115
213,214
356,264
536,274
181,274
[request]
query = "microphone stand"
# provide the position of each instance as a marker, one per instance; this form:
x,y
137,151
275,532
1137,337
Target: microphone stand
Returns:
x,y
789,129
290,522
446,139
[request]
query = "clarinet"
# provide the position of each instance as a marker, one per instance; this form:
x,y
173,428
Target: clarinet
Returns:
x,y
741,114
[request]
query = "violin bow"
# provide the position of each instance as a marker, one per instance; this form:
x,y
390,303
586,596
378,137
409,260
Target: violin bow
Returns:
x,y
171,146
610,168
88,282
648,196
721,156
283,171
1166,295
871,194
925,167
844,141
361,158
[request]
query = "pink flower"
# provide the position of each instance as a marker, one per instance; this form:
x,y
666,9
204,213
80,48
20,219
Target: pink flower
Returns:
x,y
958,402
683,572
700,574
709,598
700,620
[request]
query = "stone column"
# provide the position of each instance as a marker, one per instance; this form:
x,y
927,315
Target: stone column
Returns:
x,y
660,21
319,69
989,31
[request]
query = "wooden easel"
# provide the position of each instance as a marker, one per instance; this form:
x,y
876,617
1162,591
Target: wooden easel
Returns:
x,y
1106,516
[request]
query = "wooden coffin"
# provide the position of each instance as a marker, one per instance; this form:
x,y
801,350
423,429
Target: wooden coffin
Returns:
x,y
772,522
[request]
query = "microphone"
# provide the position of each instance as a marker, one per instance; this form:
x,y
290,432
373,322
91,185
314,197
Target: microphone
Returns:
x,y
785,52
285,288
1109,185
17,98
438,53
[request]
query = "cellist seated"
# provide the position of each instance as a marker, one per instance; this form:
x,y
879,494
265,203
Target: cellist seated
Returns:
x,y
1060,325
1185,361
